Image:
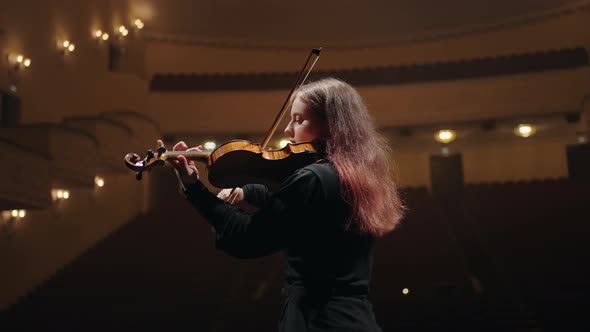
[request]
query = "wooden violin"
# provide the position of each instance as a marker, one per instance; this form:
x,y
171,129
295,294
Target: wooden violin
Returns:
x,y
239,162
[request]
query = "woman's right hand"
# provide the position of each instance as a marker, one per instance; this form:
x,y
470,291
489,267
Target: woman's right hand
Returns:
x,y
236,197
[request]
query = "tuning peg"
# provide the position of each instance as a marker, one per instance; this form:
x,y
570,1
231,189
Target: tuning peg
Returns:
x,y
161,150
150,154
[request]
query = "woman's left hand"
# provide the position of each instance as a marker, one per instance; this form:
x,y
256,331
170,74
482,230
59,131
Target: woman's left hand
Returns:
x,y
186,170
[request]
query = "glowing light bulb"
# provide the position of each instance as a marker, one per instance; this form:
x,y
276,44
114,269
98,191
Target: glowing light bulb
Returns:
x,y
66,43
525,130
99,181
209,145
98,33
27,62
445,136
138,23
283,143
123,30
105,36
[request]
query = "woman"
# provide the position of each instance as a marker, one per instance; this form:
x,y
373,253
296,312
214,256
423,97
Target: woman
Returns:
x,y
324,218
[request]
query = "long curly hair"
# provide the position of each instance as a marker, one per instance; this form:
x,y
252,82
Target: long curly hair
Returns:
x,y
360,154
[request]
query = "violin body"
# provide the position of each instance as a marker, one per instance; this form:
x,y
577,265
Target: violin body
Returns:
x,y
239,162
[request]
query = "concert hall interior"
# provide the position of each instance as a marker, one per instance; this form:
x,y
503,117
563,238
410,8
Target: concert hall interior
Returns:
x,y
485,104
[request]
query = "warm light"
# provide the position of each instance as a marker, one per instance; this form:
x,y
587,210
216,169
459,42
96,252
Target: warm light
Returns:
x,y
60,194
99,181
283,143
18,61
71,48
209,145
525,130
22,213
98,33
66,43
14,213
138,23
123,30
445,136
105,36
405,291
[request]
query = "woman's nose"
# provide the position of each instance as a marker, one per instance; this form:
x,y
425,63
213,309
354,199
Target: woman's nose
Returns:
x,y
289,131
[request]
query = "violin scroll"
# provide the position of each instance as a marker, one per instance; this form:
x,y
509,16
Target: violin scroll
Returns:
x,y
134,162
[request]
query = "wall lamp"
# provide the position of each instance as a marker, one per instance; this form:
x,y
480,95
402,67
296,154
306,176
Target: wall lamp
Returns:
x,y
445,136
101,35
60,195
123,31
283,143
99,181
10,218
525,130
209,145
138,24
67,46
18,61
13,215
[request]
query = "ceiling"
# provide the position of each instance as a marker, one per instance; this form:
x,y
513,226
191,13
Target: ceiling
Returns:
x,y
344,23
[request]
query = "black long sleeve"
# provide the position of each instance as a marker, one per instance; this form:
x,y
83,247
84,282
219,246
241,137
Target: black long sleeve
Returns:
x,y
256,194
266,231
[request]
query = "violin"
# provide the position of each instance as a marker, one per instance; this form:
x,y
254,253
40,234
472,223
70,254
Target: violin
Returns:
x,y
239,162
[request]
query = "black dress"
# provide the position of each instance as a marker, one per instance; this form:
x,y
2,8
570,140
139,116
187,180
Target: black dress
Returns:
x,y
327,266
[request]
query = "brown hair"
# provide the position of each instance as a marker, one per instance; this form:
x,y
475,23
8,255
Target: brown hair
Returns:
x,y
359,153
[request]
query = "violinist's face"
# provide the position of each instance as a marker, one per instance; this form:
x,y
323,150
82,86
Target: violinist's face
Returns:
x,y
305,125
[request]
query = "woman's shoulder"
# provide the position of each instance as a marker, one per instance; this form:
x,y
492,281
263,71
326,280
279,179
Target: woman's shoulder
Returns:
x,y
321,174
327,174
322,168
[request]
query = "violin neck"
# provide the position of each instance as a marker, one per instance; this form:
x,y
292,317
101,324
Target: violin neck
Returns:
x,y
190,155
